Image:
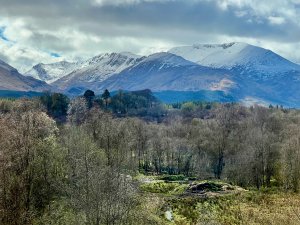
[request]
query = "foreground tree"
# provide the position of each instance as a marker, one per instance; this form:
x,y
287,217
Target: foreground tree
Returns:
x,y
77,111
99,186
30,166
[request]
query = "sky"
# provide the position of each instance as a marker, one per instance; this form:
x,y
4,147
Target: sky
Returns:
x,y
44,31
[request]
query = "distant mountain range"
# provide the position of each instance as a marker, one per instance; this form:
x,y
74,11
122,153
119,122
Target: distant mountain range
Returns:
x,y
233,71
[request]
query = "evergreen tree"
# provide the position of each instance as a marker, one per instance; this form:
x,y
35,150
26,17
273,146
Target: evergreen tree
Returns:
x,y
89,97
106,97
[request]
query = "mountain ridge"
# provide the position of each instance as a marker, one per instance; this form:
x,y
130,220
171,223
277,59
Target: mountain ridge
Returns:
x,y
245,72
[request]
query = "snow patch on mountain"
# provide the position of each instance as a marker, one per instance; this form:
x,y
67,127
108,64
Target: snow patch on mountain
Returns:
x,y
105,65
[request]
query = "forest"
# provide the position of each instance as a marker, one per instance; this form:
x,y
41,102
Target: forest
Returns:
x,y
92,160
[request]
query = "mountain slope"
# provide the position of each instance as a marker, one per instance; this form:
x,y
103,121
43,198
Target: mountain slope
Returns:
x,y
11,79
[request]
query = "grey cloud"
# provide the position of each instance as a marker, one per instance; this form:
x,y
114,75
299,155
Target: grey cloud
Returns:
x,y
141,19
52,23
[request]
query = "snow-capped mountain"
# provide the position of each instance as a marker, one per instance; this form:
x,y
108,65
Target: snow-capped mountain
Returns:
x,y
98,67
260,73
235,55
96,70
52,72
11,79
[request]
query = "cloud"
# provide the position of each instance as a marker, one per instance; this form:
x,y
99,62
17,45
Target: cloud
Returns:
x,y
79,29
123,2
276,20
2,36
116,2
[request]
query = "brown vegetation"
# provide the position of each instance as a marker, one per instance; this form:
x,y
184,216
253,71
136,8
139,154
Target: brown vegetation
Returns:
x,y
87,164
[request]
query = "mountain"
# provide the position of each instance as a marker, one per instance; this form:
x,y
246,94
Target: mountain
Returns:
x,y
52,72
237,56
11,79
95,70
230,55
165,72
262,75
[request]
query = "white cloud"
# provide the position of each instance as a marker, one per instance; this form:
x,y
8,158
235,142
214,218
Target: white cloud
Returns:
x,y
25,49
114,2
22,57
241,13
74,28
275,20
16,30
283,9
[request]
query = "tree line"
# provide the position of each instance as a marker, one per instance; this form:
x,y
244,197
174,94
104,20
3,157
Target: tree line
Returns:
x,y
81,170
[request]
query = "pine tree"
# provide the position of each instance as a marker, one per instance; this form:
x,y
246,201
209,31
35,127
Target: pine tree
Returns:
x,y
89,97
106,97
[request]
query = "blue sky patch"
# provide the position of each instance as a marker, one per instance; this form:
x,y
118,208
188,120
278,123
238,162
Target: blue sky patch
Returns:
x,y
55,55
2,36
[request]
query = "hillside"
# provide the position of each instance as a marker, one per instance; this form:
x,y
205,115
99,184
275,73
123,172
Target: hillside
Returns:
x,y
11,79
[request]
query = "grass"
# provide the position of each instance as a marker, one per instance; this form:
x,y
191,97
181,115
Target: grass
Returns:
x,y
270,208
254,208
273,207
